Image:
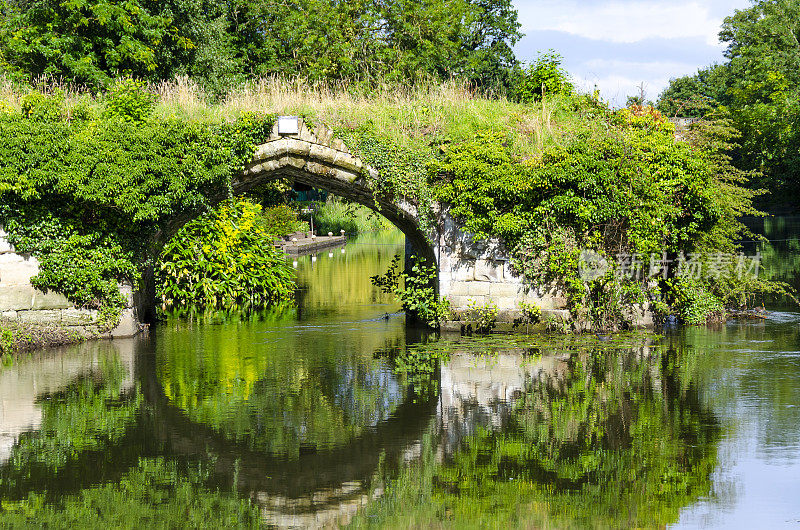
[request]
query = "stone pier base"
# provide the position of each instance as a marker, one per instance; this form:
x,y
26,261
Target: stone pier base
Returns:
x,y
21,301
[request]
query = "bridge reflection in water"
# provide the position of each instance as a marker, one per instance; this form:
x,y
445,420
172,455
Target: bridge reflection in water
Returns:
x,y
310,443
300,408
317,485
301,411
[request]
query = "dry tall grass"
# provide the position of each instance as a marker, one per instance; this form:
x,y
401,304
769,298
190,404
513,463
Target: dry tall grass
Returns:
x,y
452,110
407,114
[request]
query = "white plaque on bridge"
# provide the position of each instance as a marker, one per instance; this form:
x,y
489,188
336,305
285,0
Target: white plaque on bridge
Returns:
x,y
288,125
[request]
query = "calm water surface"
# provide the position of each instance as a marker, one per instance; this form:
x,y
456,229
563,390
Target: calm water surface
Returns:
x,y
307,416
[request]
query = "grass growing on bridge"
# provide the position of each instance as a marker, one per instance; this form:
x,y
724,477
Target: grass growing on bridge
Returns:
x,y
409,116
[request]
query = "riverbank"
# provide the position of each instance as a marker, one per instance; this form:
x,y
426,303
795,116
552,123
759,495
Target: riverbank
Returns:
x,y
16,336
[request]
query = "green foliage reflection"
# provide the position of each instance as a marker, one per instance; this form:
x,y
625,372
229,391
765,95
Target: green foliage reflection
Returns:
x,y
616,437
155,494
277,391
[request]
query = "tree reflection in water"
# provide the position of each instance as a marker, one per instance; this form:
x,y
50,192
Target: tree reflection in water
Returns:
x,y
568,434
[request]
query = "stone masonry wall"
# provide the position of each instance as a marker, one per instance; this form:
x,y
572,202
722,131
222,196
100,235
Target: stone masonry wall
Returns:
x,y
480,272
19,300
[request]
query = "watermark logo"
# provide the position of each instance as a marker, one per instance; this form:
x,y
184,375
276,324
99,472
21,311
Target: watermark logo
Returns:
x,y
593,265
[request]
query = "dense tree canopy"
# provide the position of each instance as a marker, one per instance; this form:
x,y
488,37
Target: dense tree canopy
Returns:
x,y
758,87
218,42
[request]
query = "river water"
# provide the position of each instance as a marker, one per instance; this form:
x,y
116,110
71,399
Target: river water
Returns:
x,y
309,415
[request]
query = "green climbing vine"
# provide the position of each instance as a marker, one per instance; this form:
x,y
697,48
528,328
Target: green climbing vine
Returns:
x,y
85,189
415,289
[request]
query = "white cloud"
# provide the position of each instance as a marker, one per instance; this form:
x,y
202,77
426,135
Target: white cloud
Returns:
x,y
617,44
618,79
624,22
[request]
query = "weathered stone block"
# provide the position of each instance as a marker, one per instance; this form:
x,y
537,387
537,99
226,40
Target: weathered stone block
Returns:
x,y
322,153
25,297
489,271
459,303
478,288
265,151
42,316
508,290
253,169
78,317
10,258
50,300
640,316
126,290
506,303
128,325
347,176
296,161
558,315
459,289
462,273
9,315
317,169
14,297
450,326
299,148
19,272
477,300
279,148
307,134
270,165
345,161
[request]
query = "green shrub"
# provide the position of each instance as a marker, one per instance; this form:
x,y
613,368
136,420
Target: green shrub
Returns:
x,y
336,215
634,190
693,302
87,196
415,289
128,100
484,315
225,258
41,107
280,220
544,76
6,341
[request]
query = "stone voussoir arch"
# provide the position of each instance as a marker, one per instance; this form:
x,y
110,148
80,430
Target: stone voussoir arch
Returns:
x,y
317,159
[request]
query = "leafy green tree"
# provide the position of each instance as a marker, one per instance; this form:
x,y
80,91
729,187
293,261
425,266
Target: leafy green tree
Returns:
x,y
208,53
758,87
84,41
764,89
696,95
219,42
468,38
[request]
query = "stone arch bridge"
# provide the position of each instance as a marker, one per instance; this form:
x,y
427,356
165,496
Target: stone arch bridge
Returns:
x,y
469,271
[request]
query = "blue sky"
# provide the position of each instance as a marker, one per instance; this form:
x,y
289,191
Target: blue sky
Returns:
x,y
618,44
